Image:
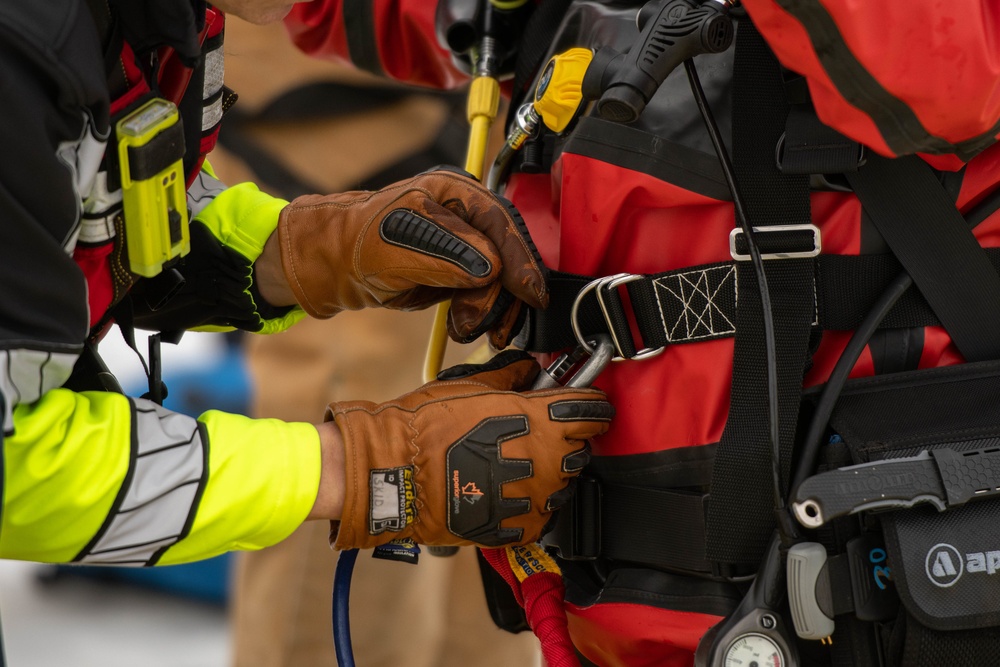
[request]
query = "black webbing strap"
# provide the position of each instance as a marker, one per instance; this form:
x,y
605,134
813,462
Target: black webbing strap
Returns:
x,y
157,154
740,510
362,41
672,535
698,303
684,306
810,147
653,527
919,221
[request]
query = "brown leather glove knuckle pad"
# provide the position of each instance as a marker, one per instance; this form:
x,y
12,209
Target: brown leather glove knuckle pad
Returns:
x,y
465,461
436,236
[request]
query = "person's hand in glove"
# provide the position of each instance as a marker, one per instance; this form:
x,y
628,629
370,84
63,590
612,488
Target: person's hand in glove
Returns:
x,y
440,235
465,459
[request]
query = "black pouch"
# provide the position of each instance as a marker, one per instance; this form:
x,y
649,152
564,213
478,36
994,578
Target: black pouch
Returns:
x,y
945,565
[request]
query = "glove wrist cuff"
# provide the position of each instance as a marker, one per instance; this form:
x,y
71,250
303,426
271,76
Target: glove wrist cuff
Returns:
x,y
380,485
311,256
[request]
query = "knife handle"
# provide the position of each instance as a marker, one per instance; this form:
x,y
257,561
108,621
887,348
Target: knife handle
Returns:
x,y
889,484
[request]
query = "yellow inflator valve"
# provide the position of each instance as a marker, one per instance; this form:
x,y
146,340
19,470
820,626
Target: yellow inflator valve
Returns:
x,y
150,153
558,95
557,101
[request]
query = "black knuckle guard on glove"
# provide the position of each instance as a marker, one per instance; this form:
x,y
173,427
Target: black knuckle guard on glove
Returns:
x,y
465,459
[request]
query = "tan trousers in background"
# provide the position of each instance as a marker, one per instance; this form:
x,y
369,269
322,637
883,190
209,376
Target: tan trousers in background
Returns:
x,y
429,615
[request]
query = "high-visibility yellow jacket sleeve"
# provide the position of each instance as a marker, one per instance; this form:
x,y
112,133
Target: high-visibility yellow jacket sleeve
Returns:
x,y
96,477
242,218
229,227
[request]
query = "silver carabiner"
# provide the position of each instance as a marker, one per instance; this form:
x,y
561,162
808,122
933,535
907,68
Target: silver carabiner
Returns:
x,y
602,351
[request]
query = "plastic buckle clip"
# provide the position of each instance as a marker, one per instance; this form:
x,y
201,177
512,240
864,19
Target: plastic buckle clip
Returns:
x,y
817,244
603,289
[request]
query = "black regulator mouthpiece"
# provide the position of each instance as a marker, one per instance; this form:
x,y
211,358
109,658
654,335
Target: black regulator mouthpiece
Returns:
x,y
671,32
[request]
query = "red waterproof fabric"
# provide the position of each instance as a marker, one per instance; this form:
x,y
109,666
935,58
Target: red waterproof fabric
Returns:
x,y
93,261
634,635
940,60
407,48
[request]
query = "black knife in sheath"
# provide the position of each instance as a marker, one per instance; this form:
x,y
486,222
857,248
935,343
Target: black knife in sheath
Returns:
x,y
943,477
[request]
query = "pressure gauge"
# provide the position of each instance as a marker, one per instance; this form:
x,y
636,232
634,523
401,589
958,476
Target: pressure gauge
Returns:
x,y
754,650
753,635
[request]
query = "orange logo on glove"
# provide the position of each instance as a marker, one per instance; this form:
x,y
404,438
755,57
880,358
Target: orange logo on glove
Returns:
x,y
471,492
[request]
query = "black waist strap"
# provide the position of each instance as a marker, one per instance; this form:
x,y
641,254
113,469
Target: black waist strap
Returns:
x,y
699,303
653,527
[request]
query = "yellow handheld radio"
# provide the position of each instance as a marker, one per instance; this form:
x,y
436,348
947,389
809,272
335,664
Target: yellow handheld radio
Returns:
x,y
154,194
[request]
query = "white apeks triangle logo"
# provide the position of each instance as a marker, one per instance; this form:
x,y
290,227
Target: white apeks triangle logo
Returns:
x,y
944,565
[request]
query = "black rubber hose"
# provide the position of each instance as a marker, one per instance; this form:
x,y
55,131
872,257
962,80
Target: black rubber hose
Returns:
x,y
841,372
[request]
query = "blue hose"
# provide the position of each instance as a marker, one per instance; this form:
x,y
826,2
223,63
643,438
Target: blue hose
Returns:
x,y
341,606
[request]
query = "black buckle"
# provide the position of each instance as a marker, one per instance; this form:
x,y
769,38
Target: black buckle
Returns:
x,y
851,163
810,246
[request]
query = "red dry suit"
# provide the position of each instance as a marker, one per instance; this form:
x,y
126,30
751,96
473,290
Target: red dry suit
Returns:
x,y
900,78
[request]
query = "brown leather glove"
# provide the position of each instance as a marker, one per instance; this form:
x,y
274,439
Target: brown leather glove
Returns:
x,y
464,460
436,236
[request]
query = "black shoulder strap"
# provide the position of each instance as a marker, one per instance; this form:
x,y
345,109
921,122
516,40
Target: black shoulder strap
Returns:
x,y
740,510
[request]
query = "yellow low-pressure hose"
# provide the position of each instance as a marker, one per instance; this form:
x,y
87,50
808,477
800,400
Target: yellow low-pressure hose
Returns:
x,y
556,102
483,104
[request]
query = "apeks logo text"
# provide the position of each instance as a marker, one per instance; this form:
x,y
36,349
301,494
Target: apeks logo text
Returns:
x,y
945,565
393,500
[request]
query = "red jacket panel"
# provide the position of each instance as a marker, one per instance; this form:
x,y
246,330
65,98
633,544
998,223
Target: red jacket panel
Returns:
x,y
402,33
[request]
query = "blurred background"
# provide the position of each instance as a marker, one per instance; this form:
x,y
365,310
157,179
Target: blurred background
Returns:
x,y
300,126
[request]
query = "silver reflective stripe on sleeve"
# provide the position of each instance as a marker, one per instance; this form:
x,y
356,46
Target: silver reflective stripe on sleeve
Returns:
x,y
160,494
27,374
82,157
203,192
213,114
212,91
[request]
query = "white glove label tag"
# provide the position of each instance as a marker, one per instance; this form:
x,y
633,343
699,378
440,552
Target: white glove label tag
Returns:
x,y
393,500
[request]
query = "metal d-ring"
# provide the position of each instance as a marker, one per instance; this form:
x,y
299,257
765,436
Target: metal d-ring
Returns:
x,y
600,284
612,283
574,323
